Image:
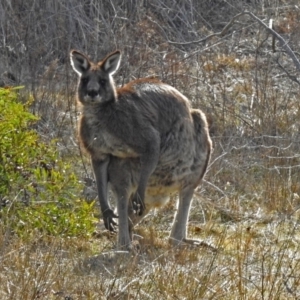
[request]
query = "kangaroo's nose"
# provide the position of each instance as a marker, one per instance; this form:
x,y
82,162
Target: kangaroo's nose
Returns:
x,y
92,93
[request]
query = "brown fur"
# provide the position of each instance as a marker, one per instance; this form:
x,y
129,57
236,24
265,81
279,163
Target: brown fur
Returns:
x,y
145,140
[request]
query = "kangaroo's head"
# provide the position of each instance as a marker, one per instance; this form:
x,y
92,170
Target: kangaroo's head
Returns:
x,y
96,84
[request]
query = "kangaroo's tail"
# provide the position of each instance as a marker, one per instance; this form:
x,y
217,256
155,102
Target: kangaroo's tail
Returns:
x,y
203,141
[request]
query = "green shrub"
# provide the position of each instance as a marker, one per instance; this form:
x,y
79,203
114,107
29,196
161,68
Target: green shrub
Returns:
x,y
38,189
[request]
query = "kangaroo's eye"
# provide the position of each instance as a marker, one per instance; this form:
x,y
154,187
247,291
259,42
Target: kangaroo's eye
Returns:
x,y
84,80
102,81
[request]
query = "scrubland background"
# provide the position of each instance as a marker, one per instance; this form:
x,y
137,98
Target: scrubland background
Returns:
x,y
51,243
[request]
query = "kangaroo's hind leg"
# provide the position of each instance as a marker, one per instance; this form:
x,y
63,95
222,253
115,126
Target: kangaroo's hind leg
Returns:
x,y
121,195
120,179
178,232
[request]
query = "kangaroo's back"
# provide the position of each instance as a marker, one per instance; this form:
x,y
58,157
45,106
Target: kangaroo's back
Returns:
x,y
159,103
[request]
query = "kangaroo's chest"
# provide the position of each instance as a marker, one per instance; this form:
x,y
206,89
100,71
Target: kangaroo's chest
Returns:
x,y
98,141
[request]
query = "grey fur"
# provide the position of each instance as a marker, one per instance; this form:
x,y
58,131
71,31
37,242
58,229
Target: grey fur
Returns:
x,y
144,140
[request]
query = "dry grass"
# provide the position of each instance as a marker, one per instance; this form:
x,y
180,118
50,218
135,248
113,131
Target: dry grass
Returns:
x,y
248,205
256,259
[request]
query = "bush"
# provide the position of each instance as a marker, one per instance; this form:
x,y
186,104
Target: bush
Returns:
x,y
38,190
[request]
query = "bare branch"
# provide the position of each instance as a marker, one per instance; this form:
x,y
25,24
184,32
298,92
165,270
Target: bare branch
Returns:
x,y
292,77
282,42
220,34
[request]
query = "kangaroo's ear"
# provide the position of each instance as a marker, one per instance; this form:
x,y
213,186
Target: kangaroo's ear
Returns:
x,y
79,62
111,63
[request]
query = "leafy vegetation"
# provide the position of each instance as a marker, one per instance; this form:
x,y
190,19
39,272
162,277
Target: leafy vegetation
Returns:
x,y
38,189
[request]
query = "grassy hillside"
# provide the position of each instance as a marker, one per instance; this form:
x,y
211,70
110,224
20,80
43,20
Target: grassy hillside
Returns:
x,y
51,243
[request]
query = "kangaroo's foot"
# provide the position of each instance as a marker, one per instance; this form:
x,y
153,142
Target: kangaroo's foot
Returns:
x,y
191,242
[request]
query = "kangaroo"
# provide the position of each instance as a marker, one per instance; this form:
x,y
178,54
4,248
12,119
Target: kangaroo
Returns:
x,y
144,140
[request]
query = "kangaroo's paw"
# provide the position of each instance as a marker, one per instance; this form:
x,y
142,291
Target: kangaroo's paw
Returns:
x,y
138,205
108,218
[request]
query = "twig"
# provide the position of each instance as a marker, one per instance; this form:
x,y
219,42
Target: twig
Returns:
x,y
221,33
292,77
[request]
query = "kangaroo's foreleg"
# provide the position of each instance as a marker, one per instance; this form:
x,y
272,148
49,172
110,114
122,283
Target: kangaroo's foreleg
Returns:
x,y
148,159
100,171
